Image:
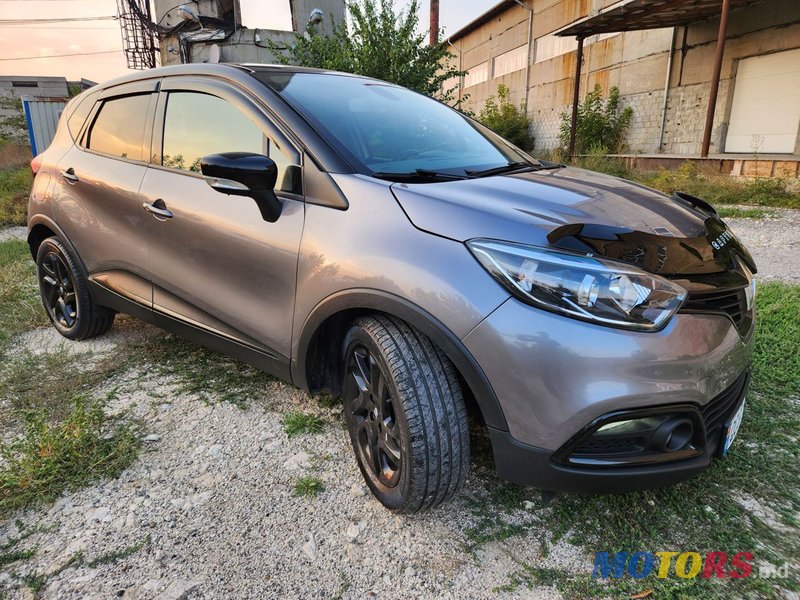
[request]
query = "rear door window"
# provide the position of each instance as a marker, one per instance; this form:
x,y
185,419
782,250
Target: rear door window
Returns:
x,y
118,129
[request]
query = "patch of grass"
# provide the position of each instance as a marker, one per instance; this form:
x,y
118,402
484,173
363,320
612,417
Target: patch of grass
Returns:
x,y
721,189
202,372
15,185
705,514
737,212
116,555
689,177
297,423
6,558
20,306
48,381
50,458
308,486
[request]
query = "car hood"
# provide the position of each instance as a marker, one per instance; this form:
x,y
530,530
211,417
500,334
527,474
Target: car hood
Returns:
x,y
579,210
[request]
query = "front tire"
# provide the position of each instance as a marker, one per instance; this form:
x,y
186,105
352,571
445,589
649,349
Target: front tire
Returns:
x,y
65,294
405,413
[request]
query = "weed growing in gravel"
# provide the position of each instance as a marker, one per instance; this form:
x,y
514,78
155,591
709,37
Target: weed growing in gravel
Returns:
x,y
6,558
50,458
202,372
308,486
115,555
34,581
297,423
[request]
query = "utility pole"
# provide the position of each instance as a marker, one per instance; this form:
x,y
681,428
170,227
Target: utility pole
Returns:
x,y
434,22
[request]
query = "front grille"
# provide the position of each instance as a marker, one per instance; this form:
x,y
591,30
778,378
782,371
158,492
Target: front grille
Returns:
x,y
595,445
720,407
731,301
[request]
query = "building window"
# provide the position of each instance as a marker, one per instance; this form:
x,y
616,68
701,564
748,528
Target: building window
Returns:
x,y
549,46
510,61
477,74
25,84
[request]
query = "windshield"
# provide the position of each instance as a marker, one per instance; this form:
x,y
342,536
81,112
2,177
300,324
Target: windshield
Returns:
x,y
387,129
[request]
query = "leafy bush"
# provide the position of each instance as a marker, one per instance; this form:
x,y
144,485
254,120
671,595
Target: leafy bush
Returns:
x,y
507,120
601,125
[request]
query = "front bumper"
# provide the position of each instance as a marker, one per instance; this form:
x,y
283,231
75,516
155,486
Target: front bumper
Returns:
x,y
554,376
528,465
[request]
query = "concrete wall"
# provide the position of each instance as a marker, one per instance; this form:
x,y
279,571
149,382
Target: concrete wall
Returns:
x,y
17,85
636,62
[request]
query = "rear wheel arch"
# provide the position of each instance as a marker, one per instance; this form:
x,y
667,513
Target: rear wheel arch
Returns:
x,y
38,233
318,367
41,227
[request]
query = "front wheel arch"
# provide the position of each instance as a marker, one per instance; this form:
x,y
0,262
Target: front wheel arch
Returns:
x,y
317,365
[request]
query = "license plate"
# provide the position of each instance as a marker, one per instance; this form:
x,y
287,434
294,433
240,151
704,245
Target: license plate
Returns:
x,y
732,429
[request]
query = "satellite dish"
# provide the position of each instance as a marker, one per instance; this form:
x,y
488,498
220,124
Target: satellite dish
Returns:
x,y
213,53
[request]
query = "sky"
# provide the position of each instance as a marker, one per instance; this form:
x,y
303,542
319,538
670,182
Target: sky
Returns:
x,y
78,38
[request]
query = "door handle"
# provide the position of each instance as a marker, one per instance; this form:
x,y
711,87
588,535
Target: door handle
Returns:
x,y
158,209
70,176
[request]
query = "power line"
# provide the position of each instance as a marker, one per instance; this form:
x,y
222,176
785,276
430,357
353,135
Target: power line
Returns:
x,y
38,27
62,55
57,20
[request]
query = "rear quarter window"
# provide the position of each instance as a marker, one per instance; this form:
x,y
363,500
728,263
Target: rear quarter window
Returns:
x,y
78,116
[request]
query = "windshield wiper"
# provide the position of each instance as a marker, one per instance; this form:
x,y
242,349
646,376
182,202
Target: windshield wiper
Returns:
x,y
507,168
417,175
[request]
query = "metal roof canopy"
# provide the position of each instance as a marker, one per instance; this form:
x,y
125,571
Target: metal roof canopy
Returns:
x,y
635,15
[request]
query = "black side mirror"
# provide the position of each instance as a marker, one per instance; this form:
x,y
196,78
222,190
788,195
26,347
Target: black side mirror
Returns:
x,y
245,174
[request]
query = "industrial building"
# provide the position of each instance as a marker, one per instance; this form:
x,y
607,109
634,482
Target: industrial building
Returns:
x,y
211,31
661,54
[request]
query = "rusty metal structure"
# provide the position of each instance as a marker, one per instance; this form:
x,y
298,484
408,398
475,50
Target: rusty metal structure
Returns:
x,y
637,15
138,33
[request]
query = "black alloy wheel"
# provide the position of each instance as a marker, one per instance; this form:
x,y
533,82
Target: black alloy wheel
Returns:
x,y
373,417
65,293
58,290
405,413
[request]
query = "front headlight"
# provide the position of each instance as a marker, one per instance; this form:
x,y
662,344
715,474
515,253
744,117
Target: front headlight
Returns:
x,y
586,287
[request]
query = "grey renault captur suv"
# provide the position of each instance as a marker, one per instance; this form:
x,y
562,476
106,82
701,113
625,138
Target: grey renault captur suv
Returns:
x,y
352,236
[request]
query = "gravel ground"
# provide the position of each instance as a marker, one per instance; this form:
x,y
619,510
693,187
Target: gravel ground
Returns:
x,y
12,233
210,511
211,497
774,243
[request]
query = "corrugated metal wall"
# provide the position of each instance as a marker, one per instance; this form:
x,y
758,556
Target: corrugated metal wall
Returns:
x,y
42,116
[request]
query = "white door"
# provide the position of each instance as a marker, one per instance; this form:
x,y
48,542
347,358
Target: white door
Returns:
x,y
766,104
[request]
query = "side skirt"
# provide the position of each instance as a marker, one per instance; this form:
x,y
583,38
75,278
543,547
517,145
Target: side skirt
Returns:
x,y
274,364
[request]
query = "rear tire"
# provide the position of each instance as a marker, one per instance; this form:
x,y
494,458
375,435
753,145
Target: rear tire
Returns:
x,y
65,294
405,413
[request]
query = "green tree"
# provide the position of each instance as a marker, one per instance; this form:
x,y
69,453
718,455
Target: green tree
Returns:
x,y
601,125
378,43
507,119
